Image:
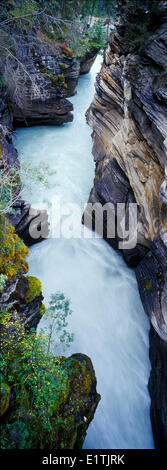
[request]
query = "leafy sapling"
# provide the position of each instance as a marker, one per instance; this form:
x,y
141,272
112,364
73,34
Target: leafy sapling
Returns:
x,y
57,313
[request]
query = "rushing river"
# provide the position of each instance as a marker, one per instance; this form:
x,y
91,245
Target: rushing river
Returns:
x,y
108,320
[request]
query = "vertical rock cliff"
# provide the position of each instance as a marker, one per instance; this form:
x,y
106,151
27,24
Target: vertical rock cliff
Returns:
x,y
74,402
129,120
39,97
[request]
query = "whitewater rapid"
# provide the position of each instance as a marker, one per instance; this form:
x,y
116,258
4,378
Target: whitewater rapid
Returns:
x,y
108,320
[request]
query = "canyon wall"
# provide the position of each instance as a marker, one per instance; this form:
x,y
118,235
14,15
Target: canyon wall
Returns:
x,y
39,79
128,116
40,97
76,401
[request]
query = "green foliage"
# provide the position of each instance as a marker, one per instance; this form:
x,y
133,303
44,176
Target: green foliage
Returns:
x,y
3,279
56,315
141,20
39,382
22,7
11,186
73,8
95,36
36,174
60,21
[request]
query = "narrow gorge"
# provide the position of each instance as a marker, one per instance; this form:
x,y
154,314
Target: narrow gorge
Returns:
x,y
108,390
129,120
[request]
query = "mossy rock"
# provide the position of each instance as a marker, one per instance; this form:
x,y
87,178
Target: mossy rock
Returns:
x,y
42,310
4,397
62,66
61,78
77,403
149,284
34,289
13,252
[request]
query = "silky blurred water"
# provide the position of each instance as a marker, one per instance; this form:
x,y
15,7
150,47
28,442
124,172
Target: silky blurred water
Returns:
x,y
108,320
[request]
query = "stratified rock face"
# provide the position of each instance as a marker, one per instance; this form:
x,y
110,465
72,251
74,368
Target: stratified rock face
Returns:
x,y
151,275
124,130
40,88
129,120
6,117
52,76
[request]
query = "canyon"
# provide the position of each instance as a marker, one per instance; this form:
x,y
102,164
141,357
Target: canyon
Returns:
x,y
128,117
129,120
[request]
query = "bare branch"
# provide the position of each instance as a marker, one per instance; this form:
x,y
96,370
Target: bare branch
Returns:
x,y
15,18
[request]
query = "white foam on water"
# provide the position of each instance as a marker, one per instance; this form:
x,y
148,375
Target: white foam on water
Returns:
x,y
108,320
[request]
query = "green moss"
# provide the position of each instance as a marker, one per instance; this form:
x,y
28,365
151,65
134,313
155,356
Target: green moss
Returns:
x,y
62,66
61,78
34,288
42,310
13,252
149,284
55,78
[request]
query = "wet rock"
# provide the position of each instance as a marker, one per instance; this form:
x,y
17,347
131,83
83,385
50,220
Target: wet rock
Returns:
x,y
87,61
158,389
151,275
128,116
81,402
20,293
31,225
6,117
51,112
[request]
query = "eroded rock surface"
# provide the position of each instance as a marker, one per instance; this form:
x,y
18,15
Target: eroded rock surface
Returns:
x,y
22,216
128,116
75,403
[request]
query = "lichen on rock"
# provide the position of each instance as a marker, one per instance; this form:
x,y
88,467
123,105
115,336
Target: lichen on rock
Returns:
x,y
34,288
75,399
13,251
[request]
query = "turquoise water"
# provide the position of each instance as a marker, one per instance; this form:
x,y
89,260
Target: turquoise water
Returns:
x,y
108,320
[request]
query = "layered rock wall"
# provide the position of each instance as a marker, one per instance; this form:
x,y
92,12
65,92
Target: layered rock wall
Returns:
x,y
128,116
76,401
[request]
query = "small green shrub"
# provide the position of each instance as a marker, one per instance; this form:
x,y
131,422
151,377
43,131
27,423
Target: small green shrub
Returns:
x,y
39,382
